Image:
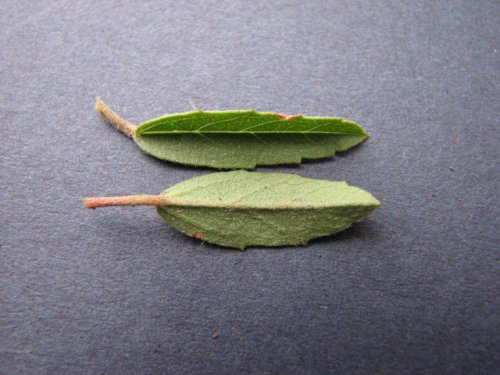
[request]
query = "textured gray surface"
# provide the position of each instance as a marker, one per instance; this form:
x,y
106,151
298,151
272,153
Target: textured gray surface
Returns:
x,y
414,289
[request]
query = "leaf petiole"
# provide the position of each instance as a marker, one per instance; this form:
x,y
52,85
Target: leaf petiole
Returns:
x,y
114,119
128,200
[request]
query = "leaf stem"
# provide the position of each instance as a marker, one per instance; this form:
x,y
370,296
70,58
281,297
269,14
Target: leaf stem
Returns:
x,y
128,200
114,119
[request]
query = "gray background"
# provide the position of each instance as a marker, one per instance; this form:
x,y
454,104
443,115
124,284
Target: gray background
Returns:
x,y
414,289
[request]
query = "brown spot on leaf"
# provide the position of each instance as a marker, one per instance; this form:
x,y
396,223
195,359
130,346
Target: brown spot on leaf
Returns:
x,y
198,235
285,117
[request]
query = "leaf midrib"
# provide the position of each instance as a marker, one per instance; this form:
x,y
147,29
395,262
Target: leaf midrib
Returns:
x,y
172,202
245,132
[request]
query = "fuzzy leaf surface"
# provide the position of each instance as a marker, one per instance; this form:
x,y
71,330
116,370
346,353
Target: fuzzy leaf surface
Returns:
x,y
245,139
239,209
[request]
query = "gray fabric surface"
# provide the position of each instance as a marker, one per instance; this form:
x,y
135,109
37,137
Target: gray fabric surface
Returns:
x,y
413,290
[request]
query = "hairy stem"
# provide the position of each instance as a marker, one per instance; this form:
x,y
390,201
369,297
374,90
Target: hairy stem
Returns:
x,y
114,119
128,200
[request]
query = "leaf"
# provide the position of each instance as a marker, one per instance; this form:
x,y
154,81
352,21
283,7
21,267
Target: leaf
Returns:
x,y
241,139
239,208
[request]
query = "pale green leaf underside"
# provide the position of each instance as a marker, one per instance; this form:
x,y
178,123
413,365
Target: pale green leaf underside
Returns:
x,y
245,139
239,209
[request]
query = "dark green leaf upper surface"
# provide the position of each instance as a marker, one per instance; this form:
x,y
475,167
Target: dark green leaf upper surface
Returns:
x,y
247,122
239,209
245,139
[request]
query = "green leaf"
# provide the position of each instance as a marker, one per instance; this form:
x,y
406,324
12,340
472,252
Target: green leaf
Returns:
x,y
239,209
245,139
238,139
